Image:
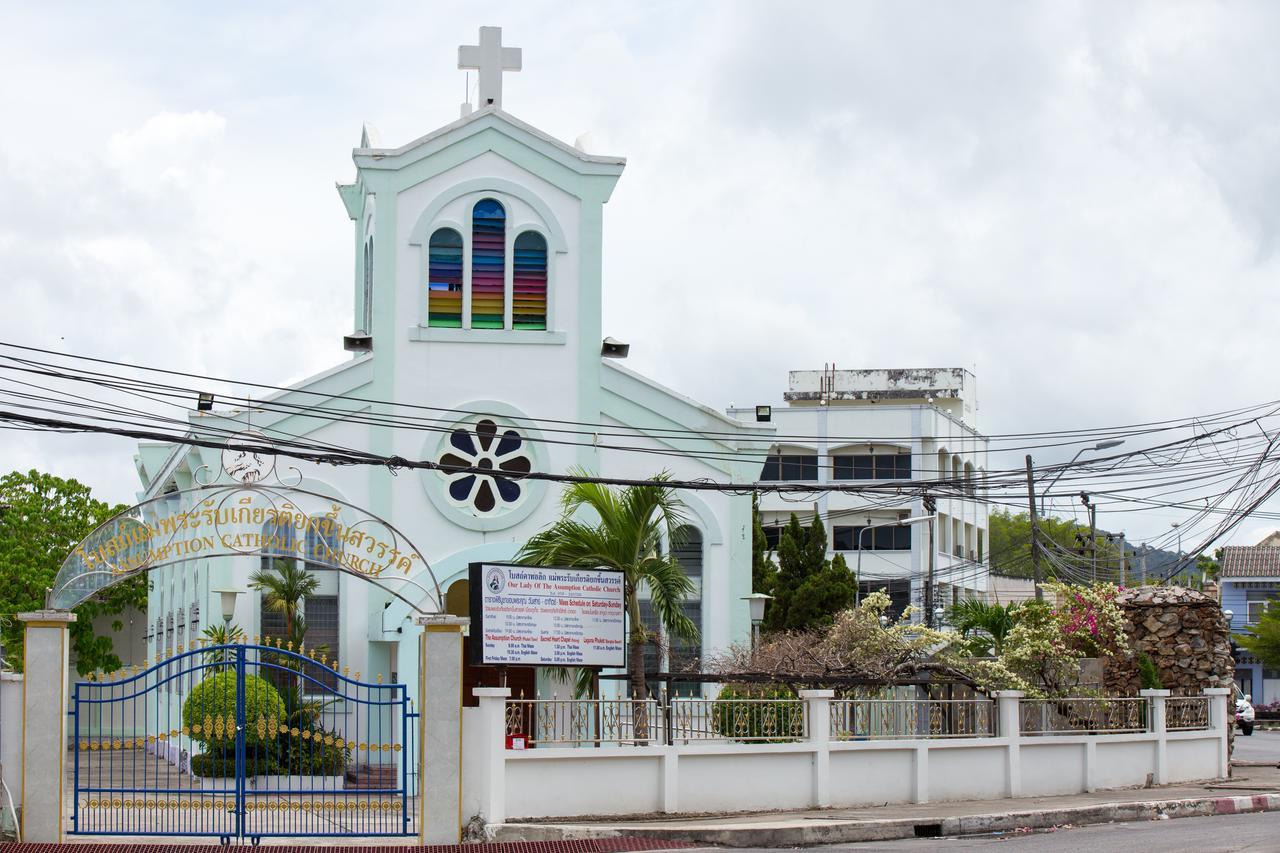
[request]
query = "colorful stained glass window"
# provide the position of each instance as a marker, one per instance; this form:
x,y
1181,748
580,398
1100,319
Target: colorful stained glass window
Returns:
x,y
529,297
444,279
488,264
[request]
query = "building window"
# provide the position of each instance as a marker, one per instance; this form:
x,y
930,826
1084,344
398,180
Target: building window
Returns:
x,y
790,466
1254,611
366,324
529,282
319,611
891,538
444,279
488,264
688,553
877,466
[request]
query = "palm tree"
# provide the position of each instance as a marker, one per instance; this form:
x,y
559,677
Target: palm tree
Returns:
x,y
994,620
627,537
284,587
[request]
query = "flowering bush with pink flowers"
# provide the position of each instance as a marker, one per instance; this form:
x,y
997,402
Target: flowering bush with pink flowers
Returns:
x,y
1089,619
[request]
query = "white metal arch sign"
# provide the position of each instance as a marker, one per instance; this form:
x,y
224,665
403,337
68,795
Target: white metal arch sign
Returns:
x,y
245,518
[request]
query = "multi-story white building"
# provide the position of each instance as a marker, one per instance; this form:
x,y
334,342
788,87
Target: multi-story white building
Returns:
x,y
854,426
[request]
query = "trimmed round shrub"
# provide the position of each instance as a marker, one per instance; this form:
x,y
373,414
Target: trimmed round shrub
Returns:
x,y
209,714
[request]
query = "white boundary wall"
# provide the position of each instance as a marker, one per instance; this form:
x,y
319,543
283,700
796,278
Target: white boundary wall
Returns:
x,y
501,784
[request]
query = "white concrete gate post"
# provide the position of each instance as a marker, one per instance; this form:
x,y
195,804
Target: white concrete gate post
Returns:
x,y
440,729
45,656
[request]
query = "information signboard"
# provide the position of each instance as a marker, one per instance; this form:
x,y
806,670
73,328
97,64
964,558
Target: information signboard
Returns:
x,y
546,616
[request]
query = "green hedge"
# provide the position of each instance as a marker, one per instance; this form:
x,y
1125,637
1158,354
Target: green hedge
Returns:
x,y
222,764
215,697
767,721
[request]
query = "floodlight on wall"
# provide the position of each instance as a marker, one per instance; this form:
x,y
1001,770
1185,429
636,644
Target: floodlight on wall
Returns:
x,y
204,402
358,342
764,414
613,348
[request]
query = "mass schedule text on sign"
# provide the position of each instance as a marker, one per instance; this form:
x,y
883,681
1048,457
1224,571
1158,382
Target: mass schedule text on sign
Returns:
x,y
547,616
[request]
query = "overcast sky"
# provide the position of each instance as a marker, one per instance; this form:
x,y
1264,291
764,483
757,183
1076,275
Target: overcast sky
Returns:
x,y
1080,202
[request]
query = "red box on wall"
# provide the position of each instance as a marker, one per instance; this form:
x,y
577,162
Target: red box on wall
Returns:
x,y
517,742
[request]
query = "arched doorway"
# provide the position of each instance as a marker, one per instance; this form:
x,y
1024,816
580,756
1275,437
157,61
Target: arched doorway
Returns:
x,y
521,679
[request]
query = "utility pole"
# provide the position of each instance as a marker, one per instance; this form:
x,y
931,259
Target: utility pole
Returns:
x,y
931,507
1124,574
1142,562
1093,536
1036,573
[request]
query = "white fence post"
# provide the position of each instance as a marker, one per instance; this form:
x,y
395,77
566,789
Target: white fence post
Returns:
x,y
493,752
1221,719
1011,730
44,723
1156,725
818,713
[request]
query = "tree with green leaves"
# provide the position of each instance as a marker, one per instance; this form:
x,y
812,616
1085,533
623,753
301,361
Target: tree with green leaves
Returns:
x,y
985,625
1009,550
808,590
764,572
42,517
285,585
626,534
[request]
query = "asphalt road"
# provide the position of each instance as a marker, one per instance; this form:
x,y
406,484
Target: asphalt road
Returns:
x,y
1224,834
1259,746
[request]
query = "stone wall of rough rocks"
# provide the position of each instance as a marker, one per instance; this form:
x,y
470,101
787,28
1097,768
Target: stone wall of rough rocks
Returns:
x,y
1184,633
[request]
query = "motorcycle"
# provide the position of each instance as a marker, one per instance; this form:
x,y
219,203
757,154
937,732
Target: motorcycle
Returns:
x,y
1244,714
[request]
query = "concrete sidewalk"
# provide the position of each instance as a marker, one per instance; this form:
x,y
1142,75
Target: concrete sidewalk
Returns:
x,y
1253,788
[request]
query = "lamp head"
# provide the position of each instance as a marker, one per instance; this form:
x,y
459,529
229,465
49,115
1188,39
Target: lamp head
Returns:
x,y
756,601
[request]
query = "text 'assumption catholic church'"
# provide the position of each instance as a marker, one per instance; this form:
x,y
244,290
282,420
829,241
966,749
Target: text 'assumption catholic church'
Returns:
x,y
477,309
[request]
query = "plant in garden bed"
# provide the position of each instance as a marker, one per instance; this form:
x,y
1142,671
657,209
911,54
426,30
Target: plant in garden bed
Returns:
x,y
209,718
317,755
735,716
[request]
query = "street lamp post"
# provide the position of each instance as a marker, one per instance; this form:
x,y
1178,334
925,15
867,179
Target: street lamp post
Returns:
x,y
756,601
1101,445
902,522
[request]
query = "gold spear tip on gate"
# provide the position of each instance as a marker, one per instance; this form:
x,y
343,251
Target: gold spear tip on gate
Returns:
x,y
379,678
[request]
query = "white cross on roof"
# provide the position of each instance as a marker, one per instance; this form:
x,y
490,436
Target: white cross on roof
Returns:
x,y
490,58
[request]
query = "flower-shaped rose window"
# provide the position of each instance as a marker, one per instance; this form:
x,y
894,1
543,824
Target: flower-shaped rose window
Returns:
x,y
499,458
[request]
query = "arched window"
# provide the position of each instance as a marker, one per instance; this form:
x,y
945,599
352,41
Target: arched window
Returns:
x,y
687,549
366,307
529,282
324,548
488,264
444,279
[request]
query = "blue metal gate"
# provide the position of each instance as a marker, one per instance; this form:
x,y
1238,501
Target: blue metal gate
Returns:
x,y
243,741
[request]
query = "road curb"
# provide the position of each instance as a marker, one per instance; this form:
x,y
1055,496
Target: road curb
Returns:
x,y
790,833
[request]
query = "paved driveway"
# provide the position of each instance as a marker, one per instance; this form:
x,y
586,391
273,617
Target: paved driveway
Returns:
x,y
1260,746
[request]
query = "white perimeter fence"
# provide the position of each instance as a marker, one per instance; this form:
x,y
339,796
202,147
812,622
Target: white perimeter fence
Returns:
x,y
620,756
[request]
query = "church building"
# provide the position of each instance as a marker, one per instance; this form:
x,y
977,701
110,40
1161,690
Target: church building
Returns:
x,y
476,297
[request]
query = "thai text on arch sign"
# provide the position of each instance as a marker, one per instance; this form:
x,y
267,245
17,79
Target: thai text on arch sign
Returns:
x,y
546,616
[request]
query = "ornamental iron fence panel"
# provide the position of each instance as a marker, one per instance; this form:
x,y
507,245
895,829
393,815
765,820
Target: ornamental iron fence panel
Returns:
x,y
582,722
242,741
884,719
1186,713
1082,716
